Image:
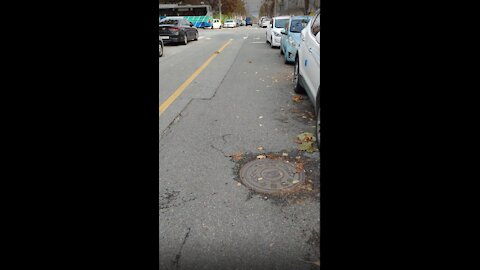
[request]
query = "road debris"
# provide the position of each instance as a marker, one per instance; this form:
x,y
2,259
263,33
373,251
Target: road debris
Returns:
x,y
307,142
297,98
261,156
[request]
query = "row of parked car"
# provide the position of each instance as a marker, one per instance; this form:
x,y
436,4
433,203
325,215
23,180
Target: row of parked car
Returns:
x,y
176,30
298,38
231,23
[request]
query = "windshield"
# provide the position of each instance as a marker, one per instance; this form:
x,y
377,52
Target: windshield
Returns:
x,y
169,21
280,23
298,25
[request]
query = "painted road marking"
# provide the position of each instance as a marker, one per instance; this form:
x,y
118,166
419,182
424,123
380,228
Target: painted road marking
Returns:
x,y
184,85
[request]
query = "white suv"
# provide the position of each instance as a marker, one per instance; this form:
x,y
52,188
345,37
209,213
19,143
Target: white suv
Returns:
x,y
307,65
273,35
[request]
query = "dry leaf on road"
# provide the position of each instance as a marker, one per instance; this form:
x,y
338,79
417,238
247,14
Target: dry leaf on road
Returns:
x,y
261,156
237,156
296,98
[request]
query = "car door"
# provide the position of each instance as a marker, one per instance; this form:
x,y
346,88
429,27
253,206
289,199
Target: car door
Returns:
x,y
284,37
188,29
312,57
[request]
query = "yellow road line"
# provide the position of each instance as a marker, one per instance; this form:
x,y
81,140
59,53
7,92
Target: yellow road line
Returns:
x,y
184,85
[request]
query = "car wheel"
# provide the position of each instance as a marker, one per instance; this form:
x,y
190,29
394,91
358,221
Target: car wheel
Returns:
x,y
185,39
271,42
281,49
196,36
161,51
296,78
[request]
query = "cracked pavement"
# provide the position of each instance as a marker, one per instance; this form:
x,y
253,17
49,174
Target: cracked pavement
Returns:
x,y
241,101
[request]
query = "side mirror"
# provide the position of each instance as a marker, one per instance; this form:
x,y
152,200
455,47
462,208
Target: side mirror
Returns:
x,y
191,24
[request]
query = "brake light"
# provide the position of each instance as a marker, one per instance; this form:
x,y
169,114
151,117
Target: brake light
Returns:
x,y
174,28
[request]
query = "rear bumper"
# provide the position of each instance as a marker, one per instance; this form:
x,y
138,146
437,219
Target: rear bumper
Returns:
x,y
172,39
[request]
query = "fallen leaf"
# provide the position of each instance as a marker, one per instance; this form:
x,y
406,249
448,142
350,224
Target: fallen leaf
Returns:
x,y
260,178
260,148
299,167
295,181
296,98
261,156
237,156
306,137
307,146
303,116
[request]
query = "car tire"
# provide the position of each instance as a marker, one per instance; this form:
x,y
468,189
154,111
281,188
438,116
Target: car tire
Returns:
x,y
185,39
160,51
296,78
196,36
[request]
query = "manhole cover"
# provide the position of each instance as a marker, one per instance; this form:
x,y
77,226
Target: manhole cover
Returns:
x,y
270,176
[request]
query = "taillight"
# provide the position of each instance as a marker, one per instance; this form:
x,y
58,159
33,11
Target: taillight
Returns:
x,y
174,28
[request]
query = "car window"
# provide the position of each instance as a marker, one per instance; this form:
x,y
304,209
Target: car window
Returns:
x,y
169,21
298,25
280,23
316,25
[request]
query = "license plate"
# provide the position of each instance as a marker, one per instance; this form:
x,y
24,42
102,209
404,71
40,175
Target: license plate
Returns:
x,y
164,37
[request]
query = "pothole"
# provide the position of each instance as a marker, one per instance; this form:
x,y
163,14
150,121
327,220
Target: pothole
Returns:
x,y
271,176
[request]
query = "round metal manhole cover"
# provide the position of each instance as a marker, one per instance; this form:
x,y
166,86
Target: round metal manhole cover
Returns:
x,y
270,176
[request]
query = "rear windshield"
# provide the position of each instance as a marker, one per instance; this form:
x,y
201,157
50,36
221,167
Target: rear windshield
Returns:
x,y
169,21
280,23
298,25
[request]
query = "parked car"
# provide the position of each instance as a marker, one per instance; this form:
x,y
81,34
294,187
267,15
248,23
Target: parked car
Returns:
x,y
265,22
307,65
229,23
248,21
177,30
160,49
291,37
272,34
216,24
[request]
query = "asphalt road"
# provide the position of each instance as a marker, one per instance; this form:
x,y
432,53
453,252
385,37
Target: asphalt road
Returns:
x,y
242,100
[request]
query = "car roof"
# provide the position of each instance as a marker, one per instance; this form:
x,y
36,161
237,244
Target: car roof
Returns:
x,y
281,17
